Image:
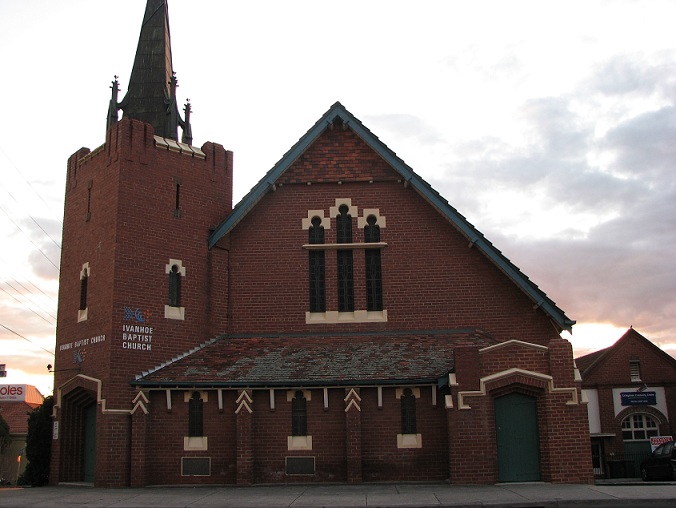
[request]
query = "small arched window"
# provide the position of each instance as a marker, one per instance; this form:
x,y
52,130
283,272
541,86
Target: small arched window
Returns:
x,y
408,419
195,415
299,415
174,286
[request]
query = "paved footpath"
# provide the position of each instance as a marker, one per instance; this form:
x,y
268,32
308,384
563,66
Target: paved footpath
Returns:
x,y
635,495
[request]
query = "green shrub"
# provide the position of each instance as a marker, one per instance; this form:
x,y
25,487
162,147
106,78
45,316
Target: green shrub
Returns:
x,y
39,444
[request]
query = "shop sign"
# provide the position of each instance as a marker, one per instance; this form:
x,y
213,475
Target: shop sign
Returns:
x,y
638,398
15,393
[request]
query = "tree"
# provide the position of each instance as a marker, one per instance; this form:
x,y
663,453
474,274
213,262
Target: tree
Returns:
x,y
4,443
4,434
39,444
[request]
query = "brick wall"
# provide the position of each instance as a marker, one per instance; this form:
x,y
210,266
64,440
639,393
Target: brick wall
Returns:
x,y
431,279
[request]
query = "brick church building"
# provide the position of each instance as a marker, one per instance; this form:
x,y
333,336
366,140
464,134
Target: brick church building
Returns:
x,y
341,323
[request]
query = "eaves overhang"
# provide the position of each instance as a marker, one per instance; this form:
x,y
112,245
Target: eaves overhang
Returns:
x,y
352,383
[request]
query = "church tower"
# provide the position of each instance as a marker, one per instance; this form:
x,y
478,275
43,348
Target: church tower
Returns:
x,y
136,271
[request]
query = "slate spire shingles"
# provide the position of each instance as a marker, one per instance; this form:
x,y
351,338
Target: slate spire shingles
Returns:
x,y
151,96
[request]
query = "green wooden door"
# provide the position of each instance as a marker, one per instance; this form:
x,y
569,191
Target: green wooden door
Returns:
x,y
89,453
516,425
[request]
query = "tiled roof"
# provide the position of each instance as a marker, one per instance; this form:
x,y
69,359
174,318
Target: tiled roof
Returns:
x,y
584,362
317,360
16,415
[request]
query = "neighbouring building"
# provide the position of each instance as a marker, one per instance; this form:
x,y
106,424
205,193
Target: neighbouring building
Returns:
x,y
16,402
631,392
341,323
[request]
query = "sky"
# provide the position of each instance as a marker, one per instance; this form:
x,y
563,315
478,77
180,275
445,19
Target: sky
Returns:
x,y
549,125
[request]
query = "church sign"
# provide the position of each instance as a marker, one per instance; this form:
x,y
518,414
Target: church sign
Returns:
x,y
136,334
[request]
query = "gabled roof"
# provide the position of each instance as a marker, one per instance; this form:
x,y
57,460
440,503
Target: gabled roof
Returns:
x,y
475,238
381,358
589,363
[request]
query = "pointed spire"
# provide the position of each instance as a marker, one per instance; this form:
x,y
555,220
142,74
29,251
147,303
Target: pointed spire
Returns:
x,y
151,96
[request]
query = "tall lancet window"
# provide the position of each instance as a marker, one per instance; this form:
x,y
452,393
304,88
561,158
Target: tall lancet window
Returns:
x,y
84,289
299,415
84,283
317,267
408,423
175,271
374,278
174,286
196,415
345,261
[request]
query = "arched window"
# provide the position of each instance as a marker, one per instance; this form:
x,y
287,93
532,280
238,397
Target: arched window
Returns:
x,y
639,427
317,267
408,424
345,261
174,286
195,415
84,278
299,415
374,278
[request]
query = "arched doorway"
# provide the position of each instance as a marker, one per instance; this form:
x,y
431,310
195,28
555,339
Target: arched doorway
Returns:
x,y
78,435
518,441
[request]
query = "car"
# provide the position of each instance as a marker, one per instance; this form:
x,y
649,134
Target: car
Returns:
x,y
661,464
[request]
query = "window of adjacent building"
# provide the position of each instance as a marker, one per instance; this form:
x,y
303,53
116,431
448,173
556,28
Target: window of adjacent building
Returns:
x,y
195,415
299,415
317,267
345,261
408,417
639,427
635,371
374,279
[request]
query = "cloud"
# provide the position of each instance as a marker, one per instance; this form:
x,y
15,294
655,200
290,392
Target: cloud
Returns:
x,y
643,147
638,74
588,213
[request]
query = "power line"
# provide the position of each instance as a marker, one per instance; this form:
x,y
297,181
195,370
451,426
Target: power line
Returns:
x,y
28,340
29,239
21,303
36,303
54,303
27,182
